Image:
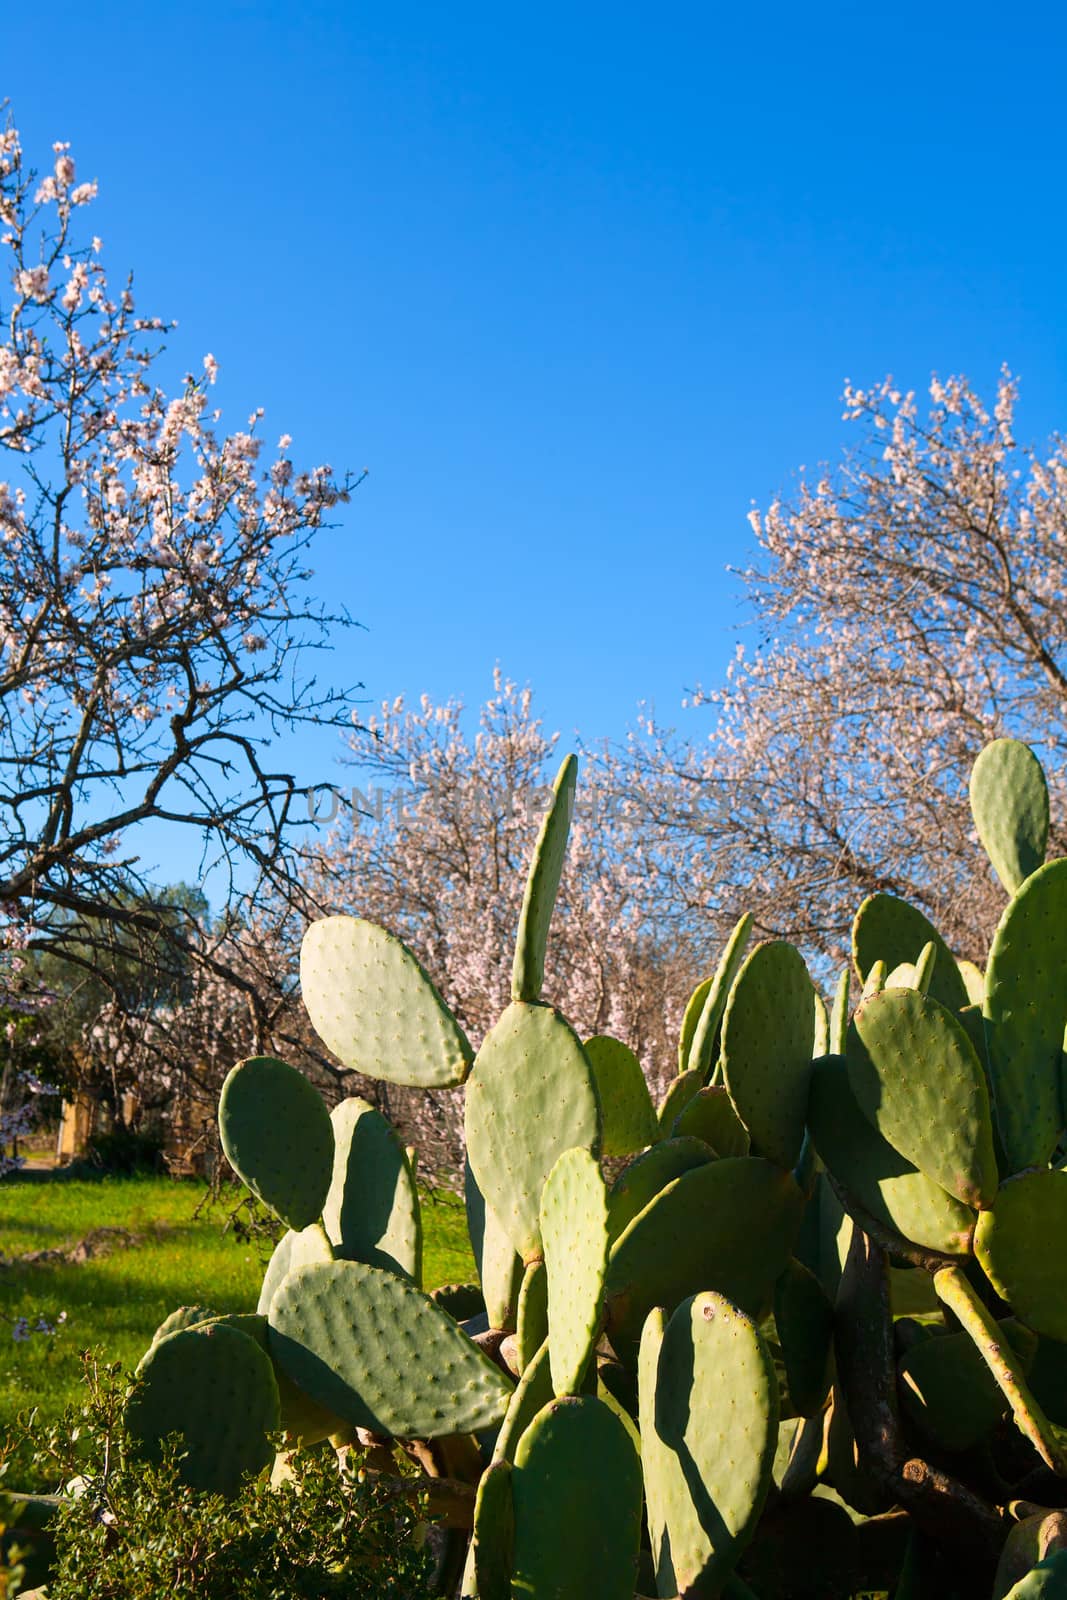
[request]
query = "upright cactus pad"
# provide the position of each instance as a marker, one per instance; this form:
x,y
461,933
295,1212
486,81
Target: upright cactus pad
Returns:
x,y
876,1178
542,885
710,1116
916,1078
804,1319
492,1546
531,1329
215,1387
889,930
688,1239
500,1267
768,1034
1009,802
373,1349
694,1009
576,1488
1014,1243
574,1230
372,1210
278,1138
676,1097
532,1393
1025,1011
704,1050
374,1007
709,1428
625,1103
530,1096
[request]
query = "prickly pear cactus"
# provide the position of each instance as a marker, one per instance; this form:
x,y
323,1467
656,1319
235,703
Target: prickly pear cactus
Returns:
x,y
800,1333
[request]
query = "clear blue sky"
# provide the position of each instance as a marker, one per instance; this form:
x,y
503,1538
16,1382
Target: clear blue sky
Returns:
x,y
576,283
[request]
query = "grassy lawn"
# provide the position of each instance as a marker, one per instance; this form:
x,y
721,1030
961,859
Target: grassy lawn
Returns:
x,y
113,1304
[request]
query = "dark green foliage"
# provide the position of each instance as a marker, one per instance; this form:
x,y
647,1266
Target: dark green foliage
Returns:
x,y
323,1536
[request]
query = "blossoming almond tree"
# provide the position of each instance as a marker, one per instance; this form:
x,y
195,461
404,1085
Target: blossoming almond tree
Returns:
x,y
155,611
909,607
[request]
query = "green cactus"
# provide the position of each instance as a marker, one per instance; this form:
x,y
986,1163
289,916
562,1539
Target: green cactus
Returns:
x,y
531,1095
629,1117
1009,801
1025,1012
709,1427
370,1347
704,1046
374,1007
371,1212
542,885
768,1038
915,1076
889,930
277,1135
574,1228
576,1531
834,1171
215,1387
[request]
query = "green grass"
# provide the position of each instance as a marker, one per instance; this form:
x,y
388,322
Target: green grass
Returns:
x,y
114,1304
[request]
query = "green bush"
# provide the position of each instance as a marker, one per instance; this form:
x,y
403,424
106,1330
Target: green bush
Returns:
x,y
135,1531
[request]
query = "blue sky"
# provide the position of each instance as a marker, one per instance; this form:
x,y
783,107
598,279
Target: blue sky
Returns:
x,y
577,284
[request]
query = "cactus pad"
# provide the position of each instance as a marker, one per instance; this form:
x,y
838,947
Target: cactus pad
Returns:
x,y
709,1428
576,1530
184,1317
500,1268
1046,1581
804,1319
215,1387
768,1034
530,1096
372,1209
1019,1246
704,1051
489,1559
676,1097
278,1138
876,1177
1009,802
542,884
1025,1010
694,1008
948,1391
380,1354
688,1239
532,1321
889,930
710,1116
916,1078
374,1007
625,1103
532,1393
574,1229
639,1183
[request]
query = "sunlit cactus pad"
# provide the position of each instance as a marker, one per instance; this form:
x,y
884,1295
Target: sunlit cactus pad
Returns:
x,y
531,1095
373,1006
576,1529
370,1347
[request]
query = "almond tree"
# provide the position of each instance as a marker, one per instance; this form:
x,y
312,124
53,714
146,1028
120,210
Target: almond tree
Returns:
x,y
156,619
909,607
